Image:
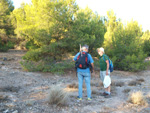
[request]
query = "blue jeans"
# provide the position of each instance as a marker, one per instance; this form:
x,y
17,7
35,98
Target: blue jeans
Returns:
x,y
81,77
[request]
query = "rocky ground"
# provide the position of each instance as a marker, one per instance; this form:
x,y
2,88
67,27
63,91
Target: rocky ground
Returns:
x,y
27,92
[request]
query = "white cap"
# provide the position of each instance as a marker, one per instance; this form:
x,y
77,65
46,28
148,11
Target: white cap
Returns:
x,y
101,49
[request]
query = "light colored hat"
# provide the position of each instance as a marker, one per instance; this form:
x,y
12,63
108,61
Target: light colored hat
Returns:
x,y
101,49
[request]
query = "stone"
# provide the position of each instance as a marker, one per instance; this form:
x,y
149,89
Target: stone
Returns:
x,y
15,111
147,110
2,63
4,59
29,103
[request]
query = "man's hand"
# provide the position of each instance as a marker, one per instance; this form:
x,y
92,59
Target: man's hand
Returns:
x,y
106,72
93,72
92,69
107,62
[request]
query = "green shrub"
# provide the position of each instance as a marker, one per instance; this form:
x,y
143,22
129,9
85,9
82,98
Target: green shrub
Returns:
x,y
146,42
146,47
5,46
53,67
10,45
133,63
126,48
60,34
96,62
30,45
33,55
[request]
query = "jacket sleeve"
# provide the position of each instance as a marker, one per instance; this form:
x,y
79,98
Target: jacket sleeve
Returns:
x,y
76,56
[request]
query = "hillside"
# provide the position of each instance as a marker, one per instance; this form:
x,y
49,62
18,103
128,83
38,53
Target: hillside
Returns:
x,y
27,92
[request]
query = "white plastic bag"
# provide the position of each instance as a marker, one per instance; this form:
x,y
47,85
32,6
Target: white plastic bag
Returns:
x,y
107,81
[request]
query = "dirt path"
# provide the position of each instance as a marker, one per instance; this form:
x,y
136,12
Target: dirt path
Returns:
x,y
26,92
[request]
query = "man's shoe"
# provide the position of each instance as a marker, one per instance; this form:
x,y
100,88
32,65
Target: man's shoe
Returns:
x,y
104,94
107,96
89,98
79,98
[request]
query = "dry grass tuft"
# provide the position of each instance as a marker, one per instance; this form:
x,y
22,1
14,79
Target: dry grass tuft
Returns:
x,y
58,96
95,91
134,83
96,83
113,83
93,83
137,98
148,95
120,84
113,91
101,84
3,98
126,90
140,80
73,85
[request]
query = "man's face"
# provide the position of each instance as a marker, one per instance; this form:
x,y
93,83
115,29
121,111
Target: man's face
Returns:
x,y
86,50
100,52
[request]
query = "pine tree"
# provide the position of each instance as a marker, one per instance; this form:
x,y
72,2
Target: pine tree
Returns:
x,y
6,28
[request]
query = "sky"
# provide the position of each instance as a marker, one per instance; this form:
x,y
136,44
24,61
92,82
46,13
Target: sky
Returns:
x,y
126,10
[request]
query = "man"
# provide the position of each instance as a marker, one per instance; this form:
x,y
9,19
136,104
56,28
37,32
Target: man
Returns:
x,y
84,73
104,70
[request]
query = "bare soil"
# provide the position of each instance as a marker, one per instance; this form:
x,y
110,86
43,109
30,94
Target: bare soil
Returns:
x,y
27,92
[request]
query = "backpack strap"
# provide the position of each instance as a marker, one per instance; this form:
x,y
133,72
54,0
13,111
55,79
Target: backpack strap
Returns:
x,y
78,56
86,57
103,58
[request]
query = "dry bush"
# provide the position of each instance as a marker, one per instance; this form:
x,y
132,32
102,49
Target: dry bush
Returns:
x,y
73,85
113,91
95,91
137,98
120,84
148,95
3,98
58,96
92,83
140,80
100,84
95,83
126,90
113,83
134,83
